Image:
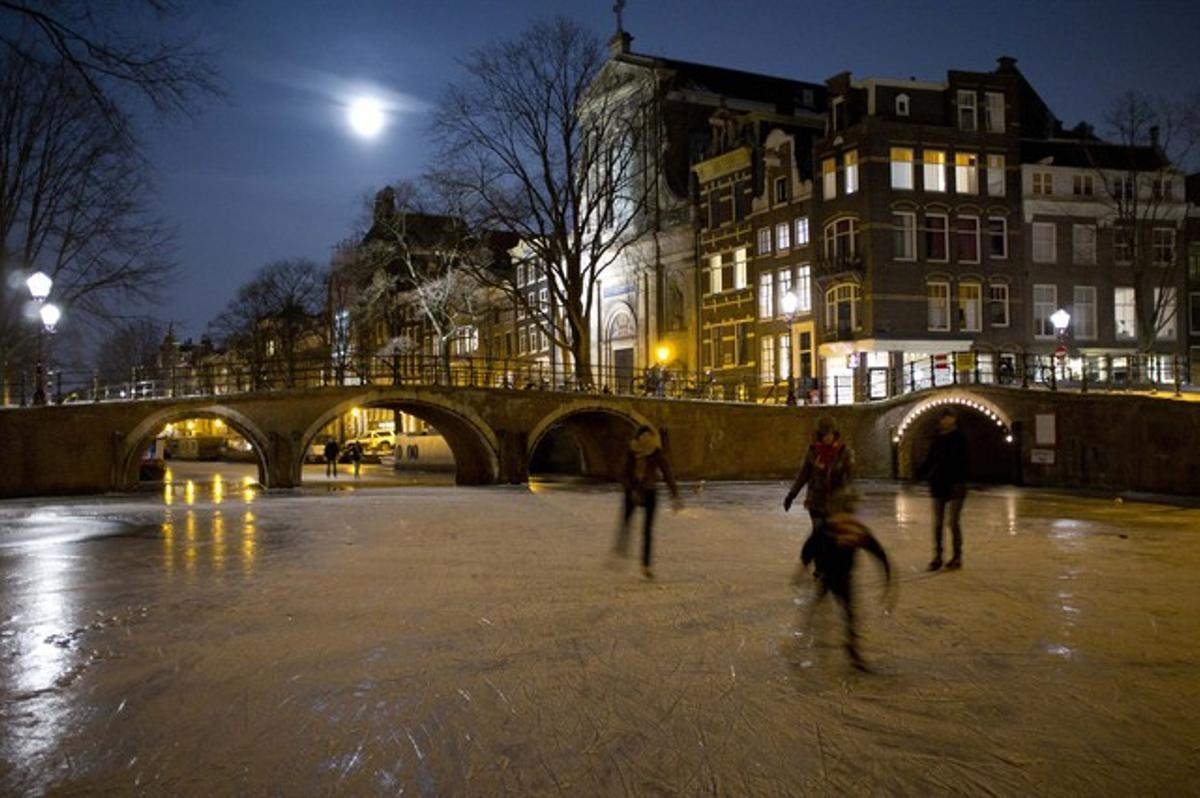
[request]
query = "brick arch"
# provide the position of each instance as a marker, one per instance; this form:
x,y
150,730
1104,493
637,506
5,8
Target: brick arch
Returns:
x,y
595,426
988,425
134,442
472,441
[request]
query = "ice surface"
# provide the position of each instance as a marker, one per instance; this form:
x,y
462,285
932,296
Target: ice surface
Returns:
x,y
439,640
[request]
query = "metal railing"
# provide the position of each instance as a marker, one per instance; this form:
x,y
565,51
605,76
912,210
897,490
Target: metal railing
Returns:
x,y
864,383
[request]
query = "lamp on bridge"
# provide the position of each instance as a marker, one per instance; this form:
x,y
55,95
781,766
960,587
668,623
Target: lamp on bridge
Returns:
x,y
39,284
790,303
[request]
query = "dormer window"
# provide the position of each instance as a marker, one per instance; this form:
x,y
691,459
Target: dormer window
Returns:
x,y
901,105
838,113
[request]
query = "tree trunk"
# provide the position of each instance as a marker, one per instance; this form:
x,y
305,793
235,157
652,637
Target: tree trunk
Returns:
x,y
444,376
581,354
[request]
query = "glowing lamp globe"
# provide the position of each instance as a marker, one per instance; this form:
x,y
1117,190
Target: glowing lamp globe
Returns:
x,y
50,315
39,285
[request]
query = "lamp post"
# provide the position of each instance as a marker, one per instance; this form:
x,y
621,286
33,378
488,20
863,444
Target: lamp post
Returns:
x,y
1060,319
790,303
39,284
662,356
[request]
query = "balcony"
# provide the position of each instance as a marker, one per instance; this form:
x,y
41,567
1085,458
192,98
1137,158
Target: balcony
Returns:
x,y
825,268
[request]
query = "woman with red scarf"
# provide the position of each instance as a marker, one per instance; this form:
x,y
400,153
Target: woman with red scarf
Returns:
x,y
828,470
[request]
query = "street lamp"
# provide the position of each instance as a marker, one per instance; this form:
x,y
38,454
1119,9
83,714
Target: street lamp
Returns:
x,y
1060,319
39,284
789,303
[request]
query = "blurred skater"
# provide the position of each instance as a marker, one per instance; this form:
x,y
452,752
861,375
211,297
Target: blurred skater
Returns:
x,y
644,461
946,469
828,470
356,457
331,458
831,550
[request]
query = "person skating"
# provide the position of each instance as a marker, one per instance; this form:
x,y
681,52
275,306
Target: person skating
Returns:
x,y
831,549
331,458
827,470
644,461
356,456
946,467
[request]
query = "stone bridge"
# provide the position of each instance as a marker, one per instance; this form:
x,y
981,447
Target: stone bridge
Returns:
x,y
1128,442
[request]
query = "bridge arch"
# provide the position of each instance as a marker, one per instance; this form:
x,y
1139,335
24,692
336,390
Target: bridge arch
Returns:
x,y
600,431
472,441
135,442
987,425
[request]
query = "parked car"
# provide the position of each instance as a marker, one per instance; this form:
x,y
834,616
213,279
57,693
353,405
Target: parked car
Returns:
x,y
380,441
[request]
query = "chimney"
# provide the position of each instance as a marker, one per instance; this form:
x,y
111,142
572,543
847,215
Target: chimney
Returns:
x,y
619,44
1006,64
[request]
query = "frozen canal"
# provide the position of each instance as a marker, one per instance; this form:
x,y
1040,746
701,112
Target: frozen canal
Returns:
x,y
440,641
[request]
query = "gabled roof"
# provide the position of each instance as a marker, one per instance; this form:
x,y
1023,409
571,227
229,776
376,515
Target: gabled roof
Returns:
x,y
1092,154
735,82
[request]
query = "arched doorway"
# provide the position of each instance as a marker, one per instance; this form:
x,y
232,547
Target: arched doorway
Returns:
x,y
621,346
991,442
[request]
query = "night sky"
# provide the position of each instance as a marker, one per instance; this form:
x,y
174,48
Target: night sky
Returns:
x,y
273,171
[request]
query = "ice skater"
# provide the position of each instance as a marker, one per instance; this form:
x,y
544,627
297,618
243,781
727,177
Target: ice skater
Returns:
x,y
946,469
644,461
828,471
831,549
331,458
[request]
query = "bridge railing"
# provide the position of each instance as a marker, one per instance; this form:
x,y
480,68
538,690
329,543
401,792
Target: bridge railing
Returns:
x,y
864,378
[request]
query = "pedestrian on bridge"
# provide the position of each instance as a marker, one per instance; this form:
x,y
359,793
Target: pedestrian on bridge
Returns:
x,y
644,461
331,458
945,467
827,470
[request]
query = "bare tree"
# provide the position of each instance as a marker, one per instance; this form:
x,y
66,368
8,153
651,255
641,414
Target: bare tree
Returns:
x,y
541,139
134,346
74,203
419,263
91,42
276,319
1144,190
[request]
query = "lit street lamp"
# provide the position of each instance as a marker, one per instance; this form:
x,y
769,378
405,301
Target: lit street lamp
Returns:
x,y
39,284
1060,319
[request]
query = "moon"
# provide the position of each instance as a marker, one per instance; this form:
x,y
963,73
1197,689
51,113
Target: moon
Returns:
x,y
366,117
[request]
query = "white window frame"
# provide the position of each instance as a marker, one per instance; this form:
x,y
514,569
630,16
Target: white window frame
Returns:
x,y
764,241
1083,250
1125,309
933,171
903,171
715,279
781,182
902,104
996,180
801,231
766,356
1168,327
937,303
993,111
958,233
828,178
783,237
766,295
1159,247
783,285
1124,241
1003,237
740,265
966,175
850,171
906,233
968,100
1043,183
804,288
783,363
970,309
1083,313
1053,244
998,293
1083,185
1043,328
834,296
832,236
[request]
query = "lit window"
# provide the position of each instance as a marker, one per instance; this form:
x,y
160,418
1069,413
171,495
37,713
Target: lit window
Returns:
x,y
851,164
1083,315
1045,302
783,236
767,358
904,242
715,270
966,110
970,307
998,304
938,301
902,167
785,356
966,173
766,295
937,237
1164,305
997,237
966,239
739,268
1125,313
934,173
993,111
804,289
802,231
1044,242
1163,240
995,175
783,279
764,241
829,178
1043,184
1083,244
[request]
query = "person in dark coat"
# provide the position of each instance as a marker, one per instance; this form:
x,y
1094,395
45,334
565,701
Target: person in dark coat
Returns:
x,y
331,458
828,471
831,550
644,461
946,467
356,457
